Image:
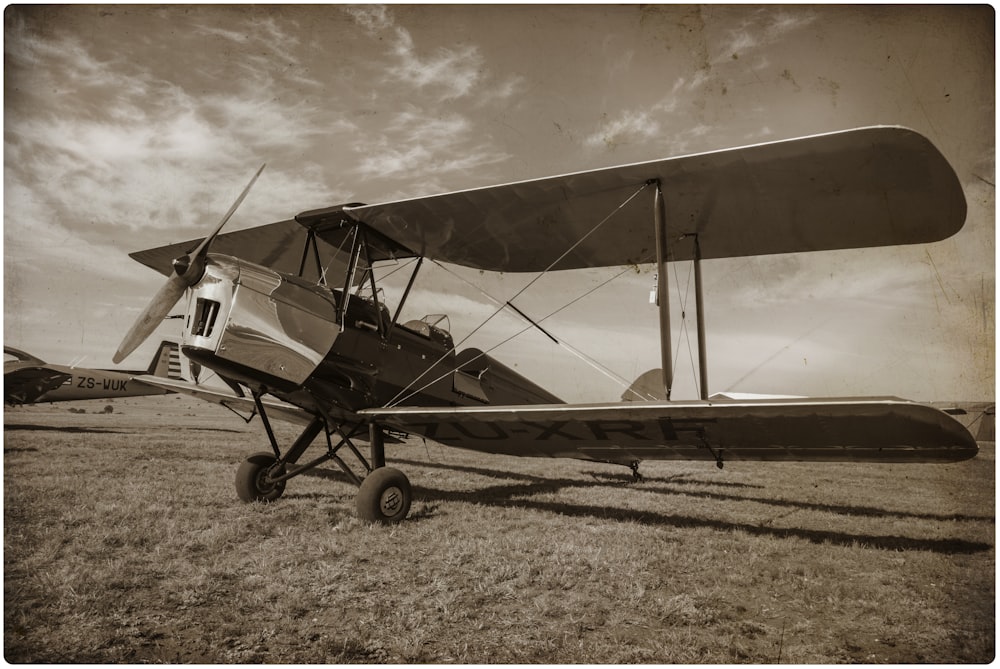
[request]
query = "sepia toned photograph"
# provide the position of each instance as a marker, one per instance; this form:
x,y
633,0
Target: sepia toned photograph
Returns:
x,y
513,334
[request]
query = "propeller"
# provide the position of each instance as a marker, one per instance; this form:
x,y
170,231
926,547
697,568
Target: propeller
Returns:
x,y
188,270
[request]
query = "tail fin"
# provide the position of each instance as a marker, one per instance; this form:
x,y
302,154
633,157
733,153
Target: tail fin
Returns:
x,y
167,361
648,386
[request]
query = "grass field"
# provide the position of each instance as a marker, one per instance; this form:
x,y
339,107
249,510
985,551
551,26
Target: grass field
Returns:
x,y
124,542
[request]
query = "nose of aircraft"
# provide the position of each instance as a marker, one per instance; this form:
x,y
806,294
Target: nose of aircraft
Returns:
x,y
188,270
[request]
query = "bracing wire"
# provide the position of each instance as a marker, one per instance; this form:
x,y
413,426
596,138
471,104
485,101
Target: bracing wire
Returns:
x,y
604,370
396,399
683,331
609,373
399,266
340,248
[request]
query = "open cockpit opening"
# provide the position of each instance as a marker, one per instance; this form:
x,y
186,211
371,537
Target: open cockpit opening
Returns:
x,y
434,327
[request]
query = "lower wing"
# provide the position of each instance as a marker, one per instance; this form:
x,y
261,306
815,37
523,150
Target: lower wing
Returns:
x,y
820,430
234,403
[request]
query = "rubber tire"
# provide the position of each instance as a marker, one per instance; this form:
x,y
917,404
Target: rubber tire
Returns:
x,y
384,497
250,486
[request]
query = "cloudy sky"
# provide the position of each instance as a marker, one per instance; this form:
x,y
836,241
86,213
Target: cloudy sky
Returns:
x,y
127,127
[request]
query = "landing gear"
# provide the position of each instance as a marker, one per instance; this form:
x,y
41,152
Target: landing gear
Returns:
x,y
254,481
384,494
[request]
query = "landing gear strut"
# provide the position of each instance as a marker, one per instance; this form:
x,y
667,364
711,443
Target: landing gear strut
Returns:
x,y
384,494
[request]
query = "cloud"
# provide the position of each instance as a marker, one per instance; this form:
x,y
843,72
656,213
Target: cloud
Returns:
x,y
761,29
630,127
453,73
373,18
678,120
158,154
499,92
656,124
265,52
425,149
448,73
424,140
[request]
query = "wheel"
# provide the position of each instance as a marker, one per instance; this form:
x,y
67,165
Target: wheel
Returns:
x,y
251,483
384,496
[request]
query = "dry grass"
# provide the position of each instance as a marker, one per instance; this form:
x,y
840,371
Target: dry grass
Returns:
x,y
124,542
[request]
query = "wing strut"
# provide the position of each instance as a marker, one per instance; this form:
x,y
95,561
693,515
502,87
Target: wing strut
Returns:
x,y
311,243
352,267
662,296
406,293
699,305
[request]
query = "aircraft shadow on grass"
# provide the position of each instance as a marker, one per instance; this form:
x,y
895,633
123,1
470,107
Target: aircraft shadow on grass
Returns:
x,y
682,480
71,429
75,429
519,495
605,478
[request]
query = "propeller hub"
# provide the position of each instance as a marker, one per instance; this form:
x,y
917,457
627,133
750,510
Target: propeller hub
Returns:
x,y
181,265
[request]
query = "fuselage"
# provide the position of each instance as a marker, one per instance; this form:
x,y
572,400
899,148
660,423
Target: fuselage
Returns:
x,y
28,379
94,384
299,341
27,383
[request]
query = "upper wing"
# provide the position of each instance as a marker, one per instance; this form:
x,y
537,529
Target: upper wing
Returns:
x,y
25,383
866,187
876,186
277,245
823,430
284,246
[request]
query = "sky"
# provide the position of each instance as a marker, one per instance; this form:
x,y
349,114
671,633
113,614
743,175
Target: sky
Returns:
x,y
128,127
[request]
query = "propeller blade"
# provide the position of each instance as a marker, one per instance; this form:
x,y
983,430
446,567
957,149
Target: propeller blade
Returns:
x,y
187,272
155,312
205,243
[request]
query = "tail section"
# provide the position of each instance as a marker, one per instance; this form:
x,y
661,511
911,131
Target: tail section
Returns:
x,y
648,386
167,361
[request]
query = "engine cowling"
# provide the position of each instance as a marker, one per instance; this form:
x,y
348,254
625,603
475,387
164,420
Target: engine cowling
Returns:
x,y
258,325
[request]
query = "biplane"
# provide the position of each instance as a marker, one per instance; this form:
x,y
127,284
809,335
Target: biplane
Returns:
x,y
292,310
30,380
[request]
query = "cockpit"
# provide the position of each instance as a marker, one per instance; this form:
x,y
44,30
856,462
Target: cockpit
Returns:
x,y
435,327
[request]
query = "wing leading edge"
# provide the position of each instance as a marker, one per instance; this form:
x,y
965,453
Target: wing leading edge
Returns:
x,y
818,430
875,186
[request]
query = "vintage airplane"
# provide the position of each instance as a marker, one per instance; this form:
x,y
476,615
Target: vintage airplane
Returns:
x,y
28,380
292,309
